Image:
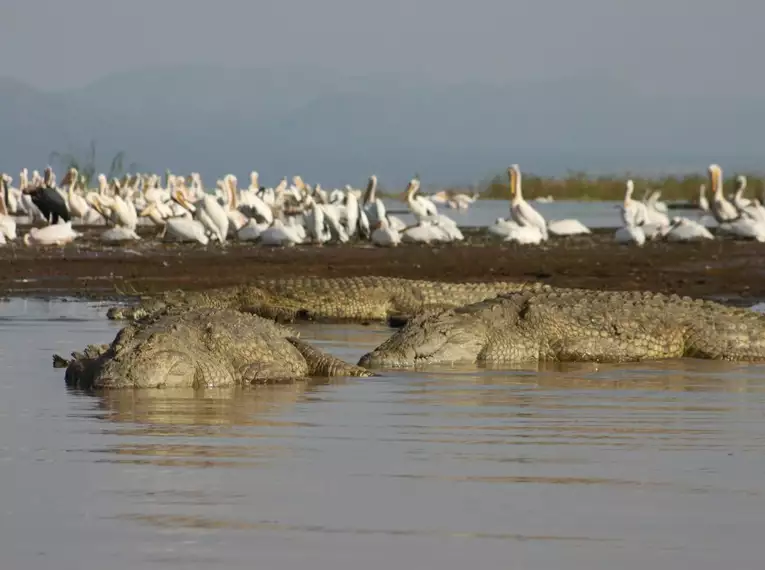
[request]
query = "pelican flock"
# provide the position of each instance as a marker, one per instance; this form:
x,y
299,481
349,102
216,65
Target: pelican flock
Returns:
x,y
294,213
647,219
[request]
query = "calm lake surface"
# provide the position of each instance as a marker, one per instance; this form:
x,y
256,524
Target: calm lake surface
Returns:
x,y
593,214
582,467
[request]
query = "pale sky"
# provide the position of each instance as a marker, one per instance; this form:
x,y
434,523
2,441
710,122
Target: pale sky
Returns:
x,y
673,46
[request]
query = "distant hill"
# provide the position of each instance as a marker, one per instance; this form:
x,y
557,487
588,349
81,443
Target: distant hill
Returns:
x,y
338,130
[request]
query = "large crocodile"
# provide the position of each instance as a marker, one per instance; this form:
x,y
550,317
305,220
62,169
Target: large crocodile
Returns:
x,y
545,323
200,348
313,298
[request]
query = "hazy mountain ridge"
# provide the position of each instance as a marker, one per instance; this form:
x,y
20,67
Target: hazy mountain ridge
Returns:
x,y
339,129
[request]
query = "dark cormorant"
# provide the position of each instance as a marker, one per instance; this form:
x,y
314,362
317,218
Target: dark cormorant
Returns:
x,y
48,200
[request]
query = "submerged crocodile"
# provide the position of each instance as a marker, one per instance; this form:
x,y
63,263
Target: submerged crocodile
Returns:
x,y
319,299
545,323
200,348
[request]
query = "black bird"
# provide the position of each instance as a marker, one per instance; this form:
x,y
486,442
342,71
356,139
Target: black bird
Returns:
x,y
49,201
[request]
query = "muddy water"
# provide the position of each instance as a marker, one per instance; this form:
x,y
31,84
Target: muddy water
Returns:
x,y
649,465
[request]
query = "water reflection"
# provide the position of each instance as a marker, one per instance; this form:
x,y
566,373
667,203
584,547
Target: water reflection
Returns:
x,y
255,406
648,463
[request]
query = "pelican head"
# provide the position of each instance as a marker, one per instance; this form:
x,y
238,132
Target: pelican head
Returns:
x,y
71,176
740,182
715,178
411,188
180,198
371,184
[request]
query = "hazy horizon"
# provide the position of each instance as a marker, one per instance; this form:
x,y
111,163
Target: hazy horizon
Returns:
x,y
342,88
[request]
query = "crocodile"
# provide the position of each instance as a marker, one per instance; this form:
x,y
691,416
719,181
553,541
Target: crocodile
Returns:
x,y
200,348
352,299
552,324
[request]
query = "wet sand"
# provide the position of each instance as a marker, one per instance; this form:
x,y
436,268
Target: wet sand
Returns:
x,y
724,269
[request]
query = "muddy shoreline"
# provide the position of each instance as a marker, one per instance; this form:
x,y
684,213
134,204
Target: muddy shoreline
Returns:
x,y
722,269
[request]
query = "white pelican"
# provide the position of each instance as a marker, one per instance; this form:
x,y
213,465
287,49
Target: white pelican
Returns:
x,y
314,222
522,212
7,223
55,234
633,212
502,227
755,211
462,201
384,235
78,206
375,208
722,210
176,229
120,211
363,222
209,212
567,228
683,229
236,219
280,234
369,201
351,213
654,203
12,196
119,234
744,227
441,197
447,226
252,205
420,206
251,230
703,202
738,197
525,235
630,233
425,211
425,231
655,212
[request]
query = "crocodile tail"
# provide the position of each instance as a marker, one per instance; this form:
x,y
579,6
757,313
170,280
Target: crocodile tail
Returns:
x,y
326,365
60,362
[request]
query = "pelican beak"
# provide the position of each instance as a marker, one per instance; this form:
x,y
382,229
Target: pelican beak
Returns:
x,y
513,175
96,205
146,211
188,205
714,177
408,192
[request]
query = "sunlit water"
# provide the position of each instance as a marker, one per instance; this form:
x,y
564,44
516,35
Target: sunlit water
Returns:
x,y
640,466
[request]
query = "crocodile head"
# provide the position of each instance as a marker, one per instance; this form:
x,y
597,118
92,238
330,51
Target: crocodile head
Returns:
x,y
158,358
438,337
